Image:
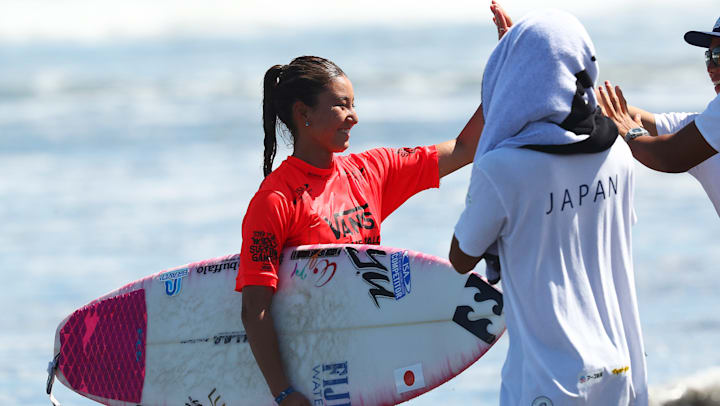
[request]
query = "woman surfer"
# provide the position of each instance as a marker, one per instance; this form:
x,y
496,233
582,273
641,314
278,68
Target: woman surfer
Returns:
x,y
305,200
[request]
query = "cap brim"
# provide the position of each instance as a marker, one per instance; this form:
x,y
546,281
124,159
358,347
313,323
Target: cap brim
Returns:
x,y
700,38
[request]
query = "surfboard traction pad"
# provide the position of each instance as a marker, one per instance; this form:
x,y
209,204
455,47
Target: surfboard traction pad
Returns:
x,y
113,332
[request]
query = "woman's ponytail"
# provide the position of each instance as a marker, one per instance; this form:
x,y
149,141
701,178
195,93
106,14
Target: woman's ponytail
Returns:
x,y
270,117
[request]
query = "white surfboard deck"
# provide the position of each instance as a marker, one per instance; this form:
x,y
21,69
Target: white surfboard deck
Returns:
x,y
357,325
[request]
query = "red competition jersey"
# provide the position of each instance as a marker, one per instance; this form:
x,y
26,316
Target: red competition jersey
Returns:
x,y
300,204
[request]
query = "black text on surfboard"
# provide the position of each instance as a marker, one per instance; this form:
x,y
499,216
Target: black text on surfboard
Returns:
x,y
211,395
375,274
485,293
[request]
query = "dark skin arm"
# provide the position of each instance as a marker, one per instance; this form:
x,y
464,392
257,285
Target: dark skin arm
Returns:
x,y
458,152
646,118
454,154
262,337
462,262
671,153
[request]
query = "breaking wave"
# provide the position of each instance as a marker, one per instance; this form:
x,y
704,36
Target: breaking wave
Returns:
x,y
701,389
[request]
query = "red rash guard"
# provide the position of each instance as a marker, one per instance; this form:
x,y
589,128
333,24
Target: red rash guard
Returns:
x,y
300,204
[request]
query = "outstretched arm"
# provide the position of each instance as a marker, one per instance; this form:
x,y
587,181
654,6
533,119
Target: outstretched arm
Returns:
x,y
666,153
646,118
454,154
458,152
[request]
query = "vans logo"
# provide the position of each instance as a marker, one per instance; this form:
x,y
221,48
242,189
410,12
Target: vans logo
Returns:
x,y
351,221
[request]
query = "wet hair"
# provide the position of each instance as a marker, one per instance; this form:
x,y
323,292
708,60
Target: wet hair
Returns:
x,y
303,79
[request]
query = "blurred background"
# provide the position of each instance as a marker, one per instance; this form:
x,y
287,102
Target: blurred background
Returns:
x,y
131,142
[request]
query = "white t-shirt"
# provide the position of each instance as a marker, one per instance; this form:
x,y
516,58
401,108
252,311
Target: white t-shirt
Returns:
x,y
562,225
708,171
708,122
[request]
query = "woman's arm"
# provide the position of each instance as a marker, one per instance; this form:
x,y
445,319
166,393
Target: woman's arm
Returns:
x,y
501,19
262,337
454,154
672,153
458,152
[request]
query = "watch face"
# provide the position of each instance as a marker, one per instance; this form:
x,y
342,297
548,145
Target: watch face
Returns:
x,y
636,132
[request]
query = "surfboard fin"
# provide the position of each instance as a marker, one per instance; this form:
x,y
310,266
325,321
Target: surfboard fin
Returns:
x,y
52,367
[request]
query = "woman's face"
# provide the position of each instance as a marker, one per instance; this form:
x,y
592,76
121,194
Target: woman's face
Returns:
x,y
714,71
333,116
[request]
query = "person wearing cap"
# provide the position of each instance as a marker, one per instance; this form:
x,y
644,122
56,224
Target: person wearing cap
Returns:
x,y
675,142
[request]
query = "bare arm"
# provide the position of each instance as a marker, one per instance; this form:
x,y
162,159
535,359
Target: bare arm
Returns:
x,y
462,262
458,152
454,154
672,153
647,118
262,337
665,153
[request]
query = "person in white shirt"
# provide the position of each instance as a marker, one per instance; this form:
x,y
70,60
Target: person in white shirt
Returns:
x,y
551,190
675,142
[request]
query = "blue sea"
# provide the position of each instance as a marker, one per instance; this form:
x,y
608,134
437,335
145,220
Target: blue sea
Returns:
x,y
122,155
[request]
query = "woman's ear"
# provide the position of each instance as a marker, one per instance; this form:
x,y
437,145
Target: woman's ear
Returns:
x,y
301,114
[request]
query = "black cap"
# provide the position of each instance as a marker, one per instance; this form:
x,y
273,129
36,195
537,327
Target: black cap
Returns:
x,y
703,38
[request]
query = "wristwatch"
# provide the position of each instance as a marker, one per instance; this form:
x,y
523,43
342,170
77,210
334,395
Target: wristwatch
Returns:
x,y
635,132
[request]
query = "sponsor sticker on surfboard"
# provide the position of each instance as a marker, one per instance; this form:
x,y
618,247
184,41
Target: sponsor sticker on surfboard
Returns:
x,y
409,378
400,270
173,281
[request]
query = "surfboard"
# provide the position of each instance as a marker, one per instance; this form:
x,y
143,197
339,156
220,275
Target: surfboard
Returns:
x,y
357,325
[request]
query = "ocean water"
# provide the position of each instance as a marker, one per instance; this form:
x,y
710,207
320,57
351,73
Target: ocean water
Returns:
x,y
124,154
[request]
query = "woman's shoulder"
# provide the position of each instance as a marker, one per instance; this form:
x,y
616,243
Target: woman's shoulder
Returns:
x,y
276,185
361,159
367,154
387,154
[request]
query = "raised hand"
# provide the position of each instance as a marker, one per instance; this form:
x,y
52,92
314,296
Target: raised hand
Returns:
x,y
613,104
502,20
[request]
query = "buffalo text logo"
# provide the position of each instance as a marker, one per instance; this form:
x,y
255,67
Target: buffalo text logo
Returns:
x,y
216,268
